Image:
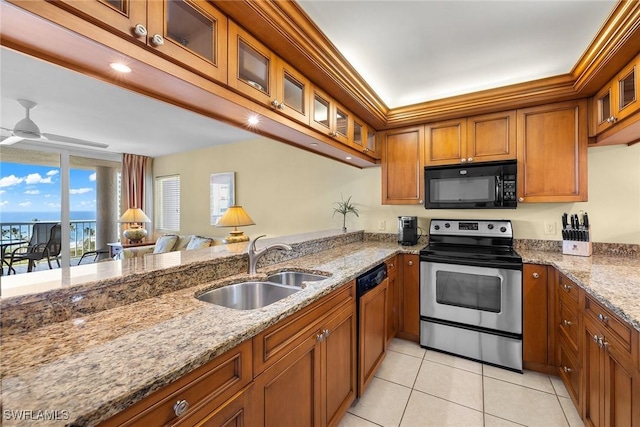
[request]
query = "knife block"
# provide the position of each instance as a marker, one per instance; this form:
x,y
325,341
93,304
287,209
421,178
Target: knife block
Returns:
x,y
574,247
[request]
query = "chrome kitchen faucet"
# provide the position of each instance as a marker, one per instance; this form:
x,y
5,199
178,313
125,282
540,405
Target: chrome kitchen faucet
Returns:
x,y
255,255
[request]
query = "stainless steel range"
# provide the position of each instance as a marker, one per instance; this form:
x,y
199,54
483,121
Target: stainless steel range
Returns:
x,y
471,291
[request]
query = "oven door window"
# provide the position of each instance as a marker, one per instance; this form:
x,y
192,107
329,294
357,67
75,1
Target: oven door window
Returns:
x,y
480,189
469,291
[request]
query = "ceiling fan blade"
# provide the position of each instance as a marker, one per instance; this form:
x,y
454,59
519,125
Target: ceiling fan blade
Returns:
x,y
74,141
11,140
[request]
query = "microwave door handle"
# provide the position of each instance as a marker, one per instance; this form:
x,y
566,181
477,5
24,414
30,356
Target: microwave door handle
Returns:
x,y
498,190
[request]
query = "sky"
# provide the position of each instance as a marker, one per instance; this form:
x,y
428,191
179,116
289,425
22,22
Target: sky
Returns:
x,y
34,188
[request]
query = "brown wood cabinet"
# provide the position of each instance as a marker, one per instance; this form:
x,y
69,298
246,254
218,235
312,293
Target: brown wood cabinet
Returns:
x,y
488,137
617,100
308,358
365,139
372,319
192,33
612,380
568,327
238,411
552,152
330,118
201,391
409,275
393,295
403,166
537,319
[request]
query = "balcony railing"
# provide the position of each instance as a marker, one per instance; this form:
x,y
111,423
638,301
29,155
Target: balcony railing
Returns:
x,y
82,234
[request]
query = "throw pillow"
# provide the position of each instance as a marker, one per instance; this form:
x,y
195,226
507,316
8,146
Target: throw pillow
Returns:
x,y
183,241
198,242
165,243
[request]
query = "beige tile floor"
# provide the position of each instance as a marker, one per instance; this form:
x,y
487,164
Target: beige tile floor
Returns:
x,y
418,388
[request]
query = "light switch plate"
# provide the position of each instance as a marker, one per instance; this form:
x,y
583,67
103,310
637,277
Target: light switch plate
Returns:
x,y
382,225
549,228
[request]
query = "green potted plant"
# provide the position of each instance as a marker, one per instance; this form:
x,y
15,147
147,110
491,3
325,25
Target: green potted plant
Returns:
x,y
345,207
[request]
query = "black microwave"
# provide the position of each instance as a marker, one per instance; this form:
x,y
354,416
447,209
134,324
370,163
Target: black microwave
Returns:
x,y
490,185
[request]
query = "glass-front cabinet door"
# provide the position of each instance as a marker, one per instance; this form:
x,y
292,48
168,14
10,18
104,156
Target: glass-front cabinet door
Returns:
x,y
251,66
627,85
292,94
128,17
373,148
191,32
330,118
321,113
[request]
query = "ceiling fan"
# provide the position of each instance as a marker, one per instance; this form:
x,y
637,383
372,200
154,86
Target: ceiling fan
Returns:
x,y
26,129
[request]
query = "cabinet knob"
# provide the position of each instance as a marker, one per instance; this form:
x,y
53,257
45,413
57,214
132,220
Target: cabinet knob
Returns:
x,y
410,263
598,340
139,30
157,40
611,119
421,201
521,199
463,160
605,345
470,159
320,337
391,265
180,407
566,287
326,333
567,369
603,318
567,322
535,275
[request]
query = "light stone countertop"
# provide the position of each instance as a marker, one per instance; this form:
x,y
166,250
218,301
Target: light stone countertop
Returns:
x,y
612,280
97,365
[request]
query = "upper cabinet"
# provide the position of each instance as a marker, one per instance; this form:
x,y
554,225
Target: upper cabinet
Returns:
x,y
292,92
617,100
552,152
365,139
402,166
252,66
330,118
190,32
475,139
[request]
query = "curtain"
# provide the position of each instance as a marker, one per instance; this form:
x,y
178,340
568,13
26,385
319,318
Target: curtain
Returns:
x,y
137,185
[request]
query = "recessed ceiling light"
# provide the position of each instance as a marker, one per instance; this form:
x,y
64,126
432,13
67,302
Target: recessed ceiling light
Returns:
x,y
253,120
314,144
348,157
120,67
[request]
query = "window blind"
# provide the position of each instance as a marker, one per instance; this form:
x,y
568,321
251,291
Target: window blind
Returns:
x,y
168,203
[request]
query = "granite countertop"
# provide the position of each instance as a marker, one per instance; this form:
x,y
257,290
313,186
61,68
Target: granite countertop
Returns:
x,y
612,280
96,365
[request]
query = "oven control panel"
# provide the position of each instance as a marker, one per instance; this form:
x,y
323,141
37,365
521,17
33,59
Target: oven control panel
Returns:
x,y
458,227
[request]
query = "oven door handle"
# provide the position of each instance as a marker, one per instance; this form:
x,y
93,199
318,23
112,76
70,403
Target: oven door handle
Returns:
x,y
475,263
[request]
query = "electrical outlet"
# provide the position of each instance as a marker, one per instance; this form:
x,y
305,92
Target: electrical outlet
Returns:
x,y
382,225
549,228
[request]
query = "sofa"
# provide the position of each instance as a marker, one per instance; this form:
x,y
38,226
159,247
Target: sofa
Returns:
x,y
172,243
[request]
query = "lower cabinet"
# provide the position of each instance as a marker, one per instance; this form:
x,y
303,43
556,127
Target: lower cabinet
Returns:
x,y
372,318
537,319
239,411
409,275
307,364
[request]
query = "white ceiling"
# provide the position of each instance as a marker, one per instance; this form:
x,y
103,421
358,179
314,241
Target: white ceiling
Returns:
x,y
408,51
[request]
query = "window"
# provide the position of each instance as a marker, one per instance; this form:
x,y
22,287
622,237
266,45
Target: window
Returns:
x,y
168,202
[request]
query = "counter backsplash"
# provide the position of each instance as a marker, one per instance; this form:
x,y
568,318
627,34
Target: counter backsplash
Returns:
x,y
599,248
27,312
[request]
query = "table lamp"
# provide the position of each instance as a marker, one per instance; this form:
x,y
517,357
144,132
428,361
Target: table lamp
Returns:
x,y
135,233
235,217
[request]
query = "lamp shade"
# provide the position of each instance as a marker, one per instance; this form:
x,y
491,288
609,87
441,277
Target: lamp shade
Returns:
x,y
134,215
235,216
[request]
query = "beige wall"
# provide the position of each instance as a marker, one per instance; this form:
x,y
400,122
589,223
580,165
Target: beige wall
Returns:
x,y
286,190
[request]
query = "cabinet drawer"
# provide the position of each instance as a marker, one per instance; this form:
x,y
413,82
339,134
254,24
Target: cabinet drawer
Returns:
x,y
569,324
274,343
609,322
569,371
211,385
567,287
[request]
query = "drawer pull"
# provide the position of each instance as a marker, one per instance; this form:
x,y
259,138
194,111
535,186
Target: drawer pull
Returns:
x,y
566,287
391,265
410,263
180,407
598,340
566,322
567,370
603,318
326,333
320,337
535,275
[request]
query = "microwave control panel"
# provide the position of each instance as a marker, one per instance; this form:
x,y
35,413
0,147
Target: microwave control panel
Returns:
x,y
509,187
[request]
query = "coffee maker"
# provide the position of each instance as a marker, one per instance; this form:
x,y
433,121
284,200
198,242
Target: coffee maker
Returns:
x,y
408,230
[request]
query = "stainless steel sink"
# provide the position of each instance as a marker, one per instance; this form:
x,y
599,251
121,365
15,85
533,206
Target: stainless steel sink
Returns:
x,y
248,295
294,278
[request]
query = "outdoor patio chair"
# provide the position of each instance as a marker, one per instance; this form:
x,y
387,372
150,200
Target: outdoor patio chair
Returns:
x,y
38,250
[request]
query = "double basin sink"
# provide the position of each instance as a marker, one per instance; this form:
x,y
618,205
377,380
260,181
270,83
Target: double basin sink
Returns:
x,y
256,294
